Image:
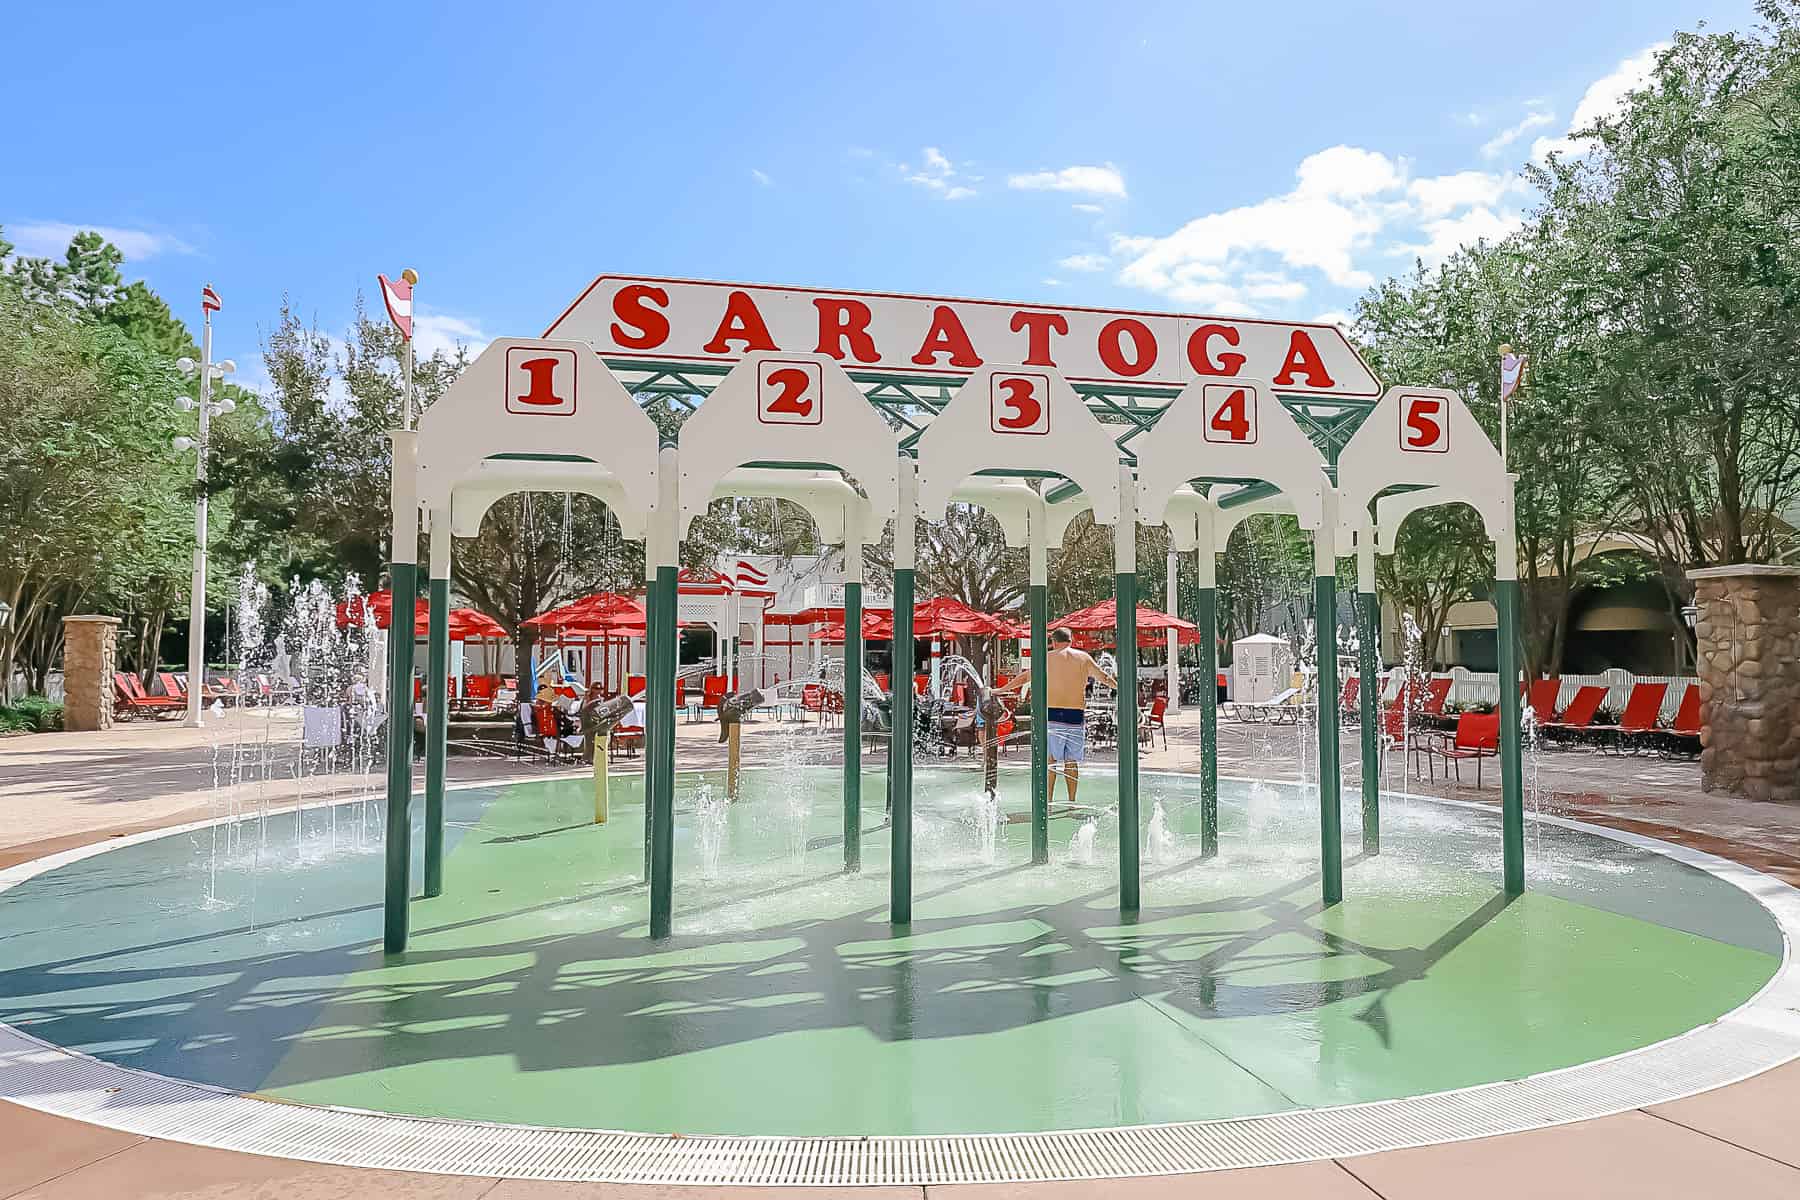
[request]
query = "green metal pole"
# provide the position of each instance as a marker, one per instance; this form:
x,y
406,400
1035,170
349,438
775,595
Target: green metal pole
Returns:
x,y
437,729
853,654
1512,784
1331,833
1040,717
652,731
1206,617
660,768
404,576
404,582
1125,590
900,748
1368,699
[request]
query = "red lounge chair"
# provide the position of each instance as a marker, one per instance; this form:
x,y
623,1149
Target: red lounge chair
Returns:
x,y
1682,737
1577,719
1347,699
626,740
1477,736
1541,698
635,686
920,683
882,680
812,699
133,700
1159,709
680,692
1436,693
712,692
1642,708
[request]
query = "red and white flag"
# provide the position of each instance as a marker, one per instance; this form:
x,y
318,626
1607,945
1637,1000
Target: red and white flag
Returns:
x,y
397,294
209,299
1512,370
749,576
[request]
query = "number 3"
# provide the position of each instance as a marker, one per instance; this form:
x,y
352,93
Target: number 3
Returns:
x,y
1018,404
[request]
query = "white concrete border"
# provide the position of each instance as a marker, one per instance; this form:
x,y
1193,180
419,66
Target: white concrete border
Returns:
x,y
1763,1032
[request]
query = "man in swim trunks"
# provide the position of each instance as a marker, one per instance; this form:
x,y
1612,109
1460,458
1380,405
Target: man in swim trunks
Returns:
x,y
1066,674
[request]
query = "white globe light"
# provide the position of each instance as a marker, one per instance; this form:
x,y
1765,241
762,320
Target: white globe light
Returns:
x,y
228,367
183,444
226,404
185,365
185,403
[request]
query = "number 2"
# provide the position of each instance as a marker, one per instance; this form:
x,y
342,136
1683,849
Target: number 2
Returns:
x,y
1423,425
793,399
789,393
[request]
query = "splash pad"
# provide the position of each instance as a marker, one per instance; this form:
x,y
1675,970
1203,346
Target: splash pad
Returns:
x,y
827,992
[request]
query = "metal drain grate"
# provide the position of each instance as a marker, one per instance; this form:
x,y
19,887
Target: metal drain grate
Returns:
x,y
1763,1033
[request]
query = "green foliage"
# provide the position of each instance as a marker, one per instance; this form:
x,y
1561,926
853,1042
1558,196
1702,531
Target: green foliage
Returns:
x,y
31,714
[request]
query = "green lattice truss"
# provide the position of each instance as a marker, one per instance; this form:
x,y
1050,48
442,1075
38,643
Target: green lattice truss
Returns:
x,y
910,402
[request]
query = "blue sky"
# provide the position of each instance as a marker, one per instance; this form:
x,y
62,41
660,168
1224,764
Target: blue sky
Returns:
x,y
1269,159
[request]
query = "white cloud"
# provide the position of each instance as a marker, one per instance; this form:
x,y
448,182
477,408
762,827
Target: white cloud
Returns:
x,y
1095,181
1335,210
1051,282
1446,236
1536,119
761,177
52,238
1348,172
938,174
1603,98
1087,208
1084,262
1350,209
1334,317
1437,195
434,331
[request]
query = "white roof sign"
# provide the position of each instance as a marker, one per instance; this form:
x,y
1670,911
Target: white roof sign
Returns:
x,y
692,321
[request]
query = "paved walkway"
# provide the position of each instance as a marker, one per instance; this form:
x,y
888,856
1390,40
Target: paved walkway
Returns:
x,y
63,790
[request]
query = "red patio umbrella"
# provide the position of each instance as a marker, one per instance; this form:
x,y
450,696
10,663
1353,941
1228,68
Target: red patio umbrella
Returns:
x,y
466,624
943,614
1103,618
602,612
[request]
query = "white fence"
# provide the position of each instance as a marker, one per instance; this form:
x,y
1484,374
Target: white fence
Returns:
x,y
1483,687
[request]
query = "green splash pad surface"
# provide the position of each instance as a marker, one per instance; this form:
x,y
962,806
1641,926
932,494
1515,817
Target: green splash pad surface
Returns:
x,y
785,1004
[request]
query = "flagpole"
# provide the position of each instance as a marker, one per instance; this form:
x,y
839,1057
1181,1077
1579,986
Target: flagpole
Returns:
x,y
412,277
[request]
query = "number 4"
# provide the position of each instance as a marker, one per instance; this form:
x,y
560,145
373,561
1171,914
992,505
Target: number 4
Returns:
x,y
1230,414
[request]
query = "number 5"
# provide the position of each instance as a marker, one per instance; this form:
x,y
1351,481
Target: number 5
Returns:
x,y
1424,424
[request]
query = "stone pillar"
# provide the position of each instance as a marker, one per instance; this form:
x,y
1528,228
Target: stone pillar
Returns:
x,y
90,656
1748,634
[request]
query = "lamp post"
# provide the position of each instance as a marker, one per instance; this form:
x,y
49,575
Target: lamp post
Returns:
x,y
6,680
208,371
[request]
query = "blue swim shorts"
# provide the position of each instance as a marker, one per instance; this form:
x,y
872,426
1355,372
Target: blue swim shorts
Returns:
x,y
1066,735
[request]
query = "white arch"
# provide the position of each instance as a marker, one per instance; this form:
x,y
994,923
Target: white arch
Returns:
x,y
1229,429
971,436
500,406
1425,436
827,423
494,478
